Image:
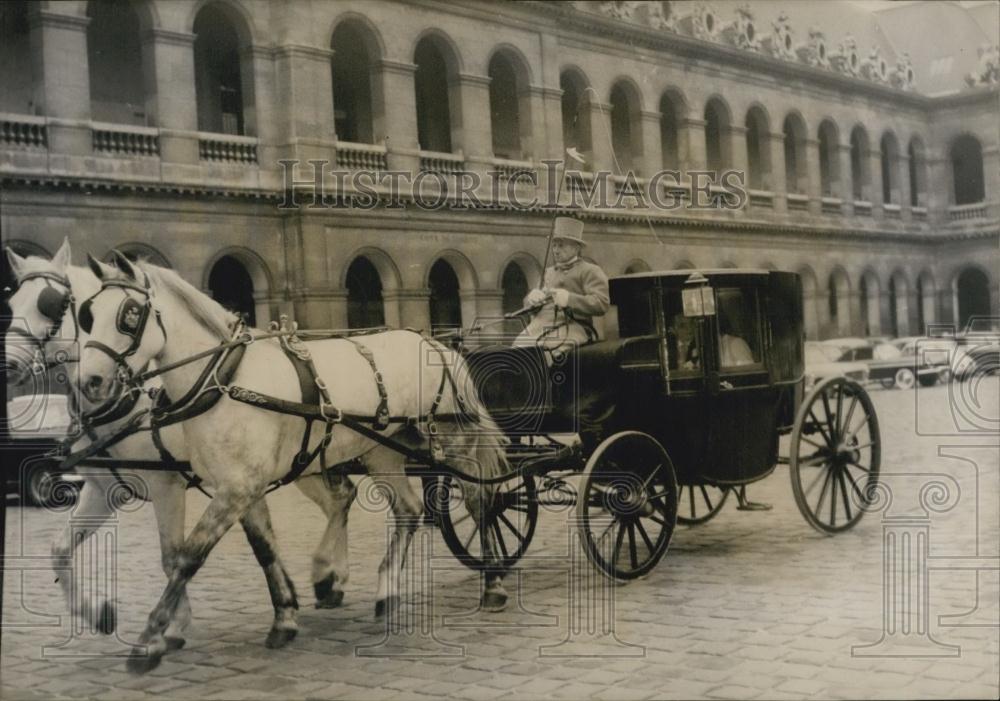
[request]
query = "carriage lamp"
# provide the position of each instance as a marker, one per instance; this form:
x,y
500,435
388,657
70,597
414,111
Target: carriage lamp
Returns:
x,y
698,296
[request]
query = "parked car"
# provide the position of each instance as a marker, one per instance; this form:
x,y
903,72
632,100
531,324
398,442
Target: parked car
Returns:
x,y
822,362
886,364
934,356
35,425
980,342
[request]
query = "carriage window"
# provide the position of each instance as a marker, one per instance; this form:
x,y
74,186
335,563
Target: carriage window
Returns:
x,y
739,330
683,337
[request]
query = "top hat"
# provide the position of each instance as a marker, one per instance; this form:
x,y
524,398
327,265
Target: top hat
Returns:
x,y
569,229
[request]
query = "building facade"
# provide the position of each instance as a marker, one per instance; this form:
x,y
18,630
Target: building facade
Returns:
x,y
159,126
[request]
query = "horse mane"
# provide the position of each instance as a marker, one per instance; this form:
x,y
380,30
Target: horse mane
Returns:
x,y
205,310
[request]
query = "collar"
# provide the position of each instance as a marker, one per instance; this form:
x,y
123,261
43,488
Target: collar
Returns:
x,y
563,267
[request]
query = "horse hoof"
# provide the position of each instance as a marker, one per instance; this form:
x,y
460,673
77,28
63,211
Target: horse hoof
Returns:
x,y
494,601
174,643
279,637
331,600
107,618
141,662
383,607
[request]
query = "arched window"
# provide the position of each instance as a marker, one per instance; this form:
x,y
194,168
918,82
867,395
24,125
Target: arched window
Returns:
x,y
365,308
626,127
351,71
967,170
670,116
859,164
795,154
716,136
515,287
829,159
890,160
231,286
18,93
510,116
224,85
115,63
446,305
864,309
973,295
575,113
758,153
435,70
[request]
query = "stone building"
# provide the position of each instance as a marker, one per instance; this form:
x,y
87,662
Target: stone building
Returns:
x,y
157,127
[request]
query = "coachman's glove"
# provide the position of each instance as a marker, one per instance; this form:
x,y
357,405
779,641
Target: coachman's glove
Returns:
x,y
560,297
536,298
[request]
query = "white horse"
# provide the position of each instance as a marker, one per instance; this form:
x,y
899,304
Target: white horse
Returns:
x,y
242,448
40,317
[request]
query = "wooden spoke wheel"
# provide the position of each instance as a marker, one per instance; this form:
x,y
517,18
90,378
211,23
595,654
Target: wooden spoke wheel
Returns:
x,y
834,455
627,505
509,521
700,503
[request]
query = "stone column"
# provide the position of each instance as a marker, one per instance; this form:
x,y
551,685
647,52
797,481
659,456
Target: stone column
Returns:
x,y
260,111
304,97
488,305
321,308
472,129
62,87
940,187
395,113
903,176
779,180
548,138
691,144
845,183
652,146
736,137
408,308
600,140
850,322
175,105
814,187
874,194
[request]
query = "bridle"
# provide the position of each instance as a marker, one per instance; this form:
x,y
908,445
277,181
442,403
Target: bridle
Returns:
x,y
52,303
130,320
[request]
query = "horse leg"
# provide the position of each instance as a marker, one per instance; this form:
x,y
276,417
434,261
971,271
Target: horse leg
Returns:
x,y
167,494
407,508
480,502
222,512
330,563
92,510
256,524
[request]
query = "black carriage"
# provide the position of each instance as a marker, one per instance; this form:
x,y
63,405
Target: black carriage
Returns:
x,y
700,395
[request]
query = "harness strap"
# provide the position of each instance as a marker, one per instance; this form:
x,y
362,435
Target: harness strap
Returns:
x,y
191,480
381,421
101,444
202,395
314,393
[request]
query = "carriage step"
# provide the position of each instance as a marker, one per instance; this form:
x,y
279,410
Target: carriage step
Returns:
x,y
745,504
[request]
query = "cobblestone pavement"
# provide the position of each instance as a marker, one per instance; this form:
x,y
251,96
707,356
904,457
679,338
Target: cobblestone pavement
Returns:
x,y
751,604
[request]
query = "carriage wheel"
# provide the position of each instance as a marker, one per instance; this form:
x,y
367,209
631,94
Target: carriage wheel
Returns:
x,y
835,455
627,505
700,503
511,521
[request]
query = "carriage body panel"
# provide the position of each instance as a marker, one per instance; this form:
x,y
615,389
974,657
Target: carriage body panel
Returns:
x,y
717,405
